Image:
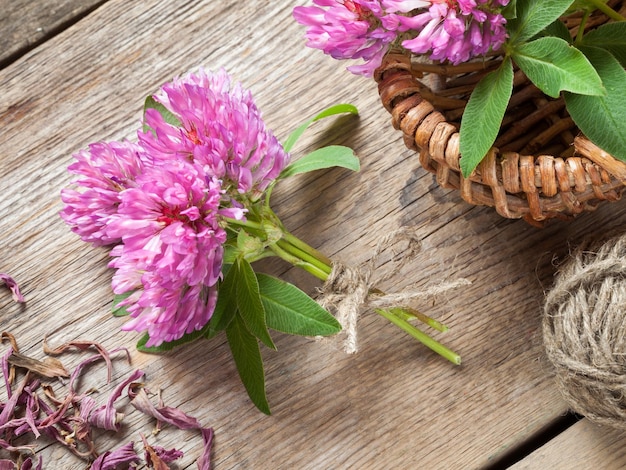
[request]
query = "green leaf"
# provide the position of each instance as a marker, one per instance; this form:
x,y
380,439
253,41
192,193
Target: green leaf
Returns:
x,y
169,345
249,245
247,356
553,65
483,115
510,10
230,253
557,29
291,311
532,16
325,157
226,306
116,309
603,118
167,115
249,302
610,36
333,110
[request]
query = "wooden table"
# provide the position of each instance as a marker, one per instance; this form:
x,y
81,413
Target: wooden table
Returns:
x,y
77,72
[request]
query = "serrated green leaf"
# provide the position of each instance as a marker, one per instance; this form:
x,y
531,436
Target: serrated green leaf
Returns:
x,y
230,254
167,115
249,302
291,311
325,157
247,355
226,305
603,118
116,309
249,245
554,66
483,115
532,16
331,111
610,36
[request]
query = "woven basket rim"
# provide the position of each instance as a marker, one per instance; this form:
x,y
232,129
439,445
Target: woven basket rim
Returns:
x,y
518,184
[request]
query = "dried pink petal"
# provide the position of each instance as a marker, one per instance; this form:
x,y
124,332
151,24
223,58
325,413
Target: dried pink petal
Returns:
x,y
27,464
102,354
204,462
31,410
157,457
167,455
139,399
67,429
50,367
83,346
8,410
9,337
106,416
11,284
11,448
6,373
69,420
119,458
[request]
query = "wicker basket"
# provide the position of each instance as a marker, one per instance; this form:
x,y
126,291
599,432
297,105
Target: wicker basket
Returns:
x,y
540,167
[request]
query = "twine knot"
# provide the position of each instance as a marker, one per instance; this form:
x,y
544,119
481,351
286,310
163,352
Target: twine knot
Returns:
x,y
584,331
346,289
350,289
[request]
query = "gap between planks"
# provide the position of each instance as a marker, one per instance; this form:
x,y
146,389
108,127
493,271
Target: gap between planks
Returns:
x,y
542,437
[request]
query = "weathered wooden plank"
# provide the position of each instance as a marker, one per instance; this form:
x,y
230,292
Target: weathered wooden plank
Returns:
x,y
582,446
394,404
24,23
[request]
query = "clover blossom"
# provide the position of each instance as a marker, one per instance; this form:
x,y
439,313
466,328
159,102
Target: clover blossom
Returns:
x,y
350,29
104,170
220,128
163,201
448,30
172,249
457,31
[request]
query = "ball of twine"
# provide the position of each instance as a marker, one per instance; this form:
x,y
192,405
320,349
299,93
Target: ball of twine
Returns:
x,y
584,331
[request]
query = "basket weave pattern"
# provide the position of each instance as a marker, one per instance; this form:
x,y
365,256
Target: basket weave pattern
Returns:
x,y
540,166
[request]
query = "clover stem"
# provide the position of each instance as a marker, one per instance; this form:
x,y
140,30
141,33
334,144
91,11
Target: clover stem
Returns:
x,y
607,10
412,314
581,28
307,251
298,253
422,337
245,223
298,261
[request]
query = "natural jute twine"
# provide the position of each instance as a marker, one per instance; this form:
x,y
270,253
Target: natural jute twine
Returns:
x,y
584,331
350,290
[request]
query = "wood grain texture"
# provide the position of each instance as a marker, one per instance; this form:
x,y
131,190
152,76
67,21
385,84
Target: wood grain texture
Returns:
x,y
392,405
584,445
24,23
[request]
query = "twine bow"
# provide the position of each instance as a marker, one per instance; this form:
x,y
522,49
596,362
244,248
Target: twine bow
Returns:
x,y
349,290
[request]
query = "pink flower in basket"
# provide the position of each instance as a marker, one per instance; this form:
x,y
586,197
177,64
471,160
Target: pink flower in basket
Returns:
x,y
457,31
365,29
